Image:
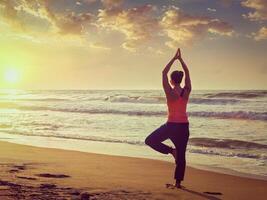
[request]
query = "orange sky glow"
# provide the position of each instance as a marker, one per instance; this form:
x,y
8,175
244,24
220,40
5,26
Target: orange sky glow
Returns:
x,y
122,44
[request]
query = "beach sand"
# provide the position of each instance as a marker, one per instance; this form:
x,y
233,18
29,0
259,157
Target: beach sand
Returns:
x,y
44,173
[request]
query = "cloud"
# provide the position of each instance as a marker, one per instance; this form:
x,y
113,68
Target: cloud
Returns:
x,y
111,4
72,23
97,45
10,14
139,25
136,24
259,7
16,14
182,28
155,51
261,34
211,9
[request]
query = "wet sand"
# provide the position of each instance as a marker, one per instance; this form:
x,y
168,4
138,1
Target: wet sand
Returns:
x,y
42,173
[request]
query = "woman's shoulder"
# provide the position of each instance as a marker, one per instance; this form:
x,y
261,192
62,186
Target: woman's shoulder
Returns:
x,y
185,93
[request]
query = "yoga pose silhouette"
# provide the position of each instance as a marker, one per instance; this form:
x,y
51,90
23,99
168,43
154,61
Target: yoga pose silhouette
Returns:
x,y
177,126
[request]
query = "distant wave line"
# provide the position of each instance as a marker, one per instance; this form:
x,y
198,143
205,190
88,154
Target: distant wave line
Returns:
x,y
245,115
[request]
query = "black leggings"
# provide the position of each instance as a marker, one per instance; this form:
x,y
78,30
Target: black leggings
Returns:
x,y
178,133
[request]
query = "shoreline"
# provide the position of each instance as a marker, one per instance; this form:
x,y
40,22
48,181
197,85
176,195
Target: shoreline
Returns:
x,y
42,170
97,147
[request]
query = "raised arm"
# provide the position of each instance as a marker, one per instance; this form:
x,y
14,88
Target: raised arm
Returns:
x,y
165,81
187,86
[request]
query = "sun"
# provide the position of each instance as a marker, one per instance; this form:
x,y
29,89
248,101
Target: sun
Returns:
x,y
11,76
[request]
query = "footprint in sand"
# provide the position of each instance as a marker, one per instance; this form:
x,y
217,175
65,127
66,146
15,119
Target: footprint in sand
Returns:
x,y
26,178
20,167
13,171
47,175
213,193
17,168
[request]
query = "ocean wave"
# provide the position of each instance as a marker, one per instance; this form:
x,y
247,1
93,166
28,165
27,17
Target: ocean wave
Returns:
x,y
245,115
11,105
197,142
37,99
226,143
128,99
222,115
74,137
210,101
134,99
162,100
242,115
42,126
5,126
230,144
235,94
227,151
239,154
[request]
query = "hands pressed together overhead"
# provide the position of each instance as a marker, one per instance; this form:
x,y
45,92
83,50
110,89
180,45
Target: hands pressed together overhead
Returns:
x,y
178,55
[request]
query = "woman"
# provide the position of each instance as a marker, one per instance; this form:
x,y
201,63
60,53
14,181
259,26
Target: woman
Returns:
x,y
177,126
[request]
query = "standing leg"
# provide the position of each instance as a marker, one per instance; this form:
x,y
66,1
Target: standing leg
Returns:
x,y
155,139
180,139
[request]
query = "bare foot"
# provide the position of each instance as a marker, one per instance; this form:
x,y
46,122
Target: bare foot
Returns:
x,y
178,184
174,186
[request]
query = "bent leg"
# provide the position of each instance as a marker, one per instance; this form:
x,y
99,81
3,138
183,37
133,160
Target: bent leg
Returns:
x,y
155,139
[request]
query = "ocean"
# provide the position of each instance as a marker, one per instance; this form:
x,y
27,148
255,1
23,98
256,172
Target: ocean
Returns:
x,y
228,129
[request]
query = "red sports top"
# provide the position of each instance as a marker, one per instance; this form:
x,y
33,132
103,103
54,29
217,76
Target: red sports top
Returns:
x,y
177,109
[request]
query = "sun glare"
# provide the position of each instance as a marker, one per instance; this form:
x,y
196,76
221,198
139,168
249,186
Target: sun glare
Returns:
x,y
11,75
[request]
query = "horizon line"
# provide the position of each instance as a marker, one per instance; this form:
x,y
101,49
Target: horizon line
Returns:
x,y
123,89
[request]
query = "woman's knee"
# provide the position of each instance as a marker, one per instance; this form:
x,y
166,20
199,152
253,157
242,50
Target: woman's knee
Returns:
x,y
148,141
156,136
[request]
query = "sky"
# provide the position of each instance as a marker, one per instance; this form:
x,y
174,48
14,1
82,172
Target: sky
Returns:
x,y
125,44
